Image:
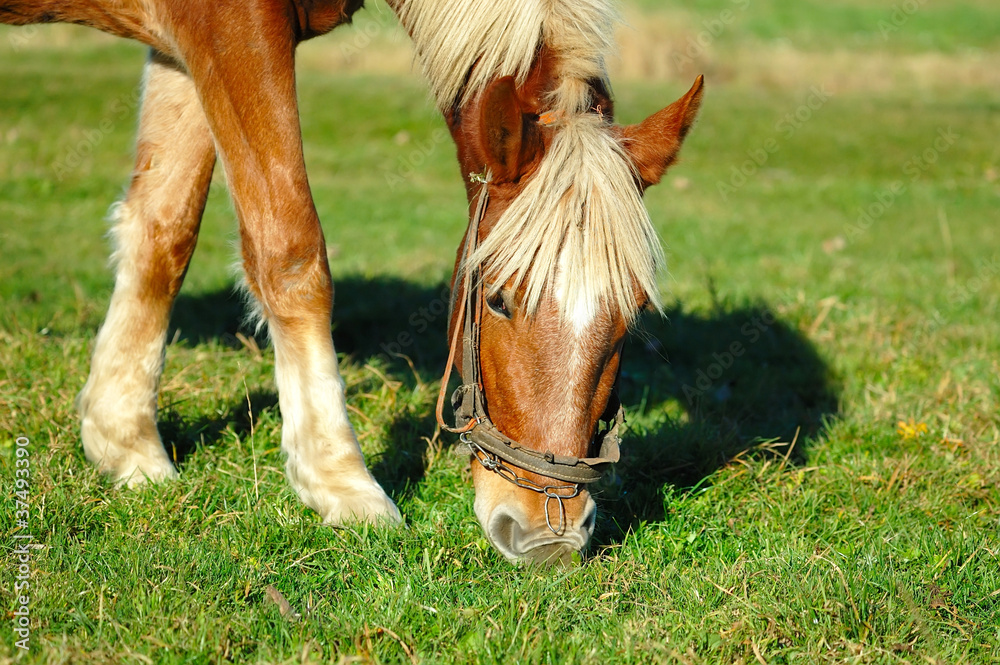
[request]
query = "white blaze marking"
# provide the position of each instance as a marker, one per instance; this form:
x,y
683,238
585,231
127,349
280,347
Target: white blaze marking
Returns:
x,y
574,307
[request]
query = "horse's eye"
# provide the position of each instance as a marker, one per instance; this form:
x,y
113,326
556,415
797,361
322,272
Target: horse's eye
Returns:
x,y
497,305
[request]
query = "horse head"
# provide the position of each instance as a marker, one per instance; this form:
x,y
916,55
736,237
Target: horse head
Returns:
x,y
559,258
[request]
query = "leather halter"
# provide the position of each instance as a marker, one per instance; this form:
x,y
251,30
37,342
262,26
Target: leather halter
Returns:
x,y
492,447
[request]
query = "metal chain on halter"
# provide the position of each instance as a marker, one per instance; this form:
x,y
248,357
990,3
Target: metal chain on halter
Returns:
x,y
493,463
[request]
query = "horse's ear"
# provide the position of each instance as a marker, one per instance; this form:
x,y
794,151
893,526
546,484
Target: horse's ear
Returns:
x,y
654,143
511,139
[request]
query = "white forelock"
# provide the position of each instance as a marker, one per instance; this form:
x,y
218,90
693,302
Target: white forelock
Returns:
x,y
581,215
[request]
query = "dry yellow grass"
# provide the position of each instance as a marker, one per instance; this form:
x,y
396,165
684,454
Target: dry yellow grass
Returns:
x,y
673,46
667,46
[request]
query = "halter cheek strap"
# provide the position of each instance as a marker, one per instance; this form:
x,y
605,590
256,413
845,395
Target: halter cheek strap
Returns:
x,y
491,446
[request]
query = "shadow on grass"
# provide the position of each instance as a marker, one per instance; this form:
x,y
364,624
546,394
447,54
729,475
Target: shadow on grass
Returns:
x,y
372,316
708,387
391,318
701,388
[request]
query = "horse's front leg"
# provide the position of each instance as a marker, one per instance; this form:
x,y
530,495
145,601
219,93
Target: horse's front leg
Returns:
x,y
155,231
246,83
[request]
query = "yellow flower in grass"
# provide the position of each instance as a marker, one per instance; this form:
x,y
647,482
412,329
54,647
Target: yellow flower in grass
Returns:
x,y
911,430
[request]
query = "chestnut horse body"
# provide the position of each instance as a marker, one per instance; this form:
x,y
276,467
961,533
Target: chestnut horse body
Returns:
x,y
563,258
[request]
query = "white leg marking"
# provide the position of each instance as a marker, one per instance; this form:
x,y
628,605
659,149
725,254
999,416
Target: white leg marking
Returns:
x,y
118,404
325,465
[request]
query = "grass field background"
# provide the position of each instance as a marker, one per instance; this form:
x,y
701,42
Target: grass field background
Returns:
x,y
831,494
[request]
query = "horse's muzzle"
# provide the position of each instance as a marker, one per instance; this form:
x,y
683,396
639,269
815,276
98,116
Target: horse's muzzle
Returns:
x,y
522,538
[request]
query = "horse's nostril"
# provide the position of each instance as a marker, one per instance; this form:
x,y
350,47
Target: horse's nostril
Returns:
x,y
504,530
520,543
519,539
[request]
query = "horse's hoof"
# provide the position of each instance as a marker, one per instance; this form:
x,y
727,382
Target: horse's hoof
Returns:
x,y
137,473
365,507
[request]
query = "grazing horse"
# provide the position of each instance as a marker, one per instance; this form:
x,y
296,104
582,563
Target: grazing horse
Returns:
x,y
558,259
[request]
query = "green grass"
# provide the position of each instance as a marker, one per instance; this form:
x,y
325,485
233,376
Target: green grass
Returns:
x,y
718,540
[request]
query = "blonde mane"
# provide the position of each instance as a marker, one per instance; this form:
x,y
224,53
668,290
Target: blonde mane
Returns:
x,y
579,226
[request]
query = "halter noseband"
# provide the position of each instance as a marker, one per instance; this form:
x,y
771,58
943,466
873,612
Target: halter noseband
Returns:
x,y
491,447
